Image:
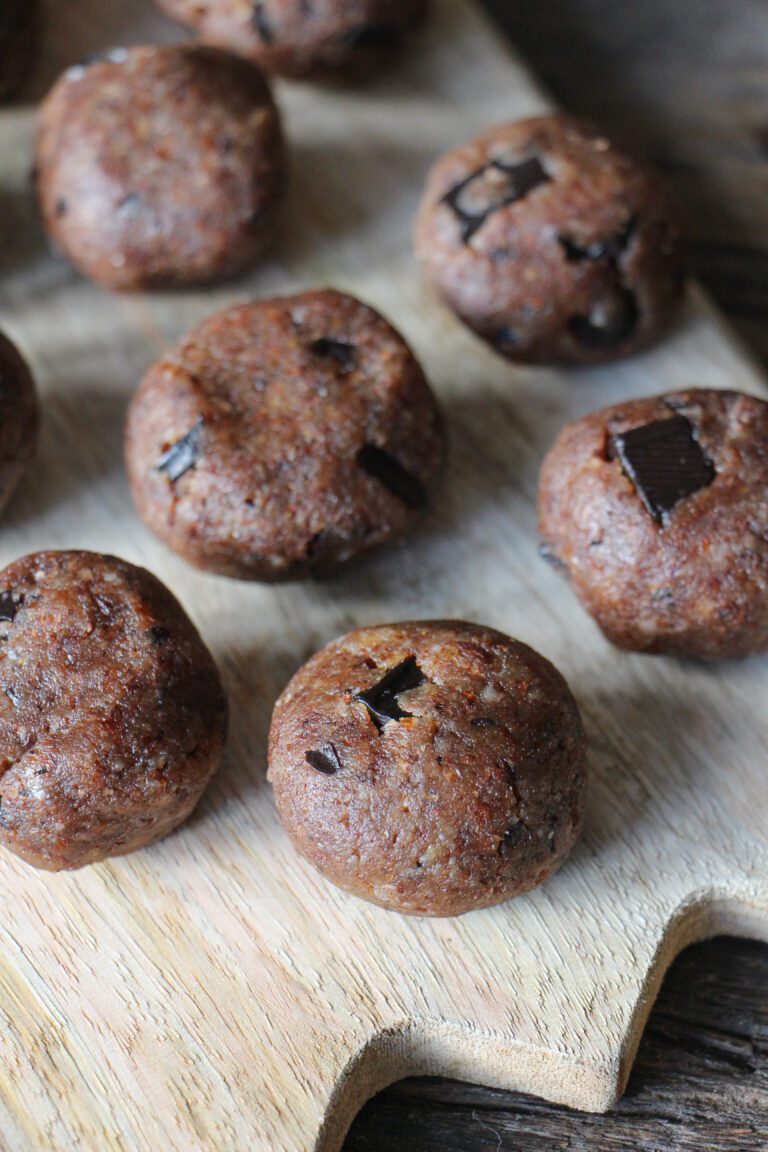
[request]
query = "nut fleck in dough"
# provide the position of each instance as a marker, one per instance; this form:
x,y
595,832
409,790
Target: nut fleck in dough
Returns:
x,y
551,244
431,767
19,418
160,166
658,511
18,21
112,715
303,37
282,437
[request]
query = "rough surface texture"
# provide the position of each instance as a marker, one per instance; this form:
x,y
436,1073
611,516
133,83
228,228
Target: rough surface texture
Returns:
x,y
159,166
19,418
302,37
693,579
431,768
700,1082
282,437
112,716
18,19
550,243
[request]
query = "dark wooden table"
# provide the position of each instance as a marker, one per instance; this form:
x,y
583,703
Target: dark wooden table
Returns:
x,y
685,83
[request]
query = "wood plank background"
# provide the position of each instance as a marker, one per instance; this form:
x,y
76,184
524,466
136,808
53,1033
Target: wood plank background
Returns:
x,y
686,85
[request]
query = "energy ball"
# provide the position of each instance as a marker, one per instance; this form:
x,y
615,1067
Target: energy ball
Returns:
x,y
160,166
431,767
657,510
283,437
303,37
112,715
19,418
550,243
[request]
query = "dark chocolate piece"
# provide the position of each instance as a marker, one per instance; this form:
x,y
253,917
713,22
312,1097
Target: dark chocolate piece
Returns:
x,y
344,354
381,700
8,607
512,836
388,470
611,248
159,634
261,22
491,188
611,320
182,455
325,759
665,462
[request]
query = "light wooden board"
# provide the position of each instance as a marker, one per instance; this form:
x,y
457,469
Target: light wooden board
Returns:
x,y
213,992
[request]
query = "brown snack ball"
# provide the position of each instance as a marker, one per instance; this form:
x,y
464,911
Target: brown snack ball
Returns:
x,y
19,418
18,20
301,38
657,509
550,244
160,166
430,767
282,437
112,714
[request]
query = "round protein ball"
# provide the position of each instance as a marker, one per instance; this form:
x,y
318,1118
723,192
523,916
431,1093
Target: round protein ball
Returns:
x,y
112,715
283,437
160,166
19,418
658,512
432,768
18,20
550,244
296,38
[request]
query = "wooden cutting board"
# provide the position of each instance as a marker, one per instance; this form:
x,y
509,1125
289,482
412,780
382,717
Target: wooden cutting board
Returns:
x,y
213,992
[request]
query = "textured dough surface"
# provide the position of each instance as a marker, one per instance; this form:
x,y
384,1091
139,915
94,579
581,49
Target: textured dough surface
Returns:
x,y
550,243
19,418
160,166
302,37
474,795
697,585
112,714
284,436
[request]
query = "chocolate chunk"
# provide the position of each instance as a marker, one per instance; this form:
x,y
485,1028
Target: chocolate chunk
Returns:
x,y
182,455
491,188
344,354
665,462
325,760
261,22
159,634
512,836
611,248
388,470
8,607
381,700
611,320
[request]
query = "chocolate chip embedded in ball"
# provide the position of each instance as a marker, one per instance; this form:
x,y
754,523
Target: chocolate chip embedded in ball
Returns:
x,y
113,715
19,418
160,166
296,38
283,437
550,243
431,767
658,512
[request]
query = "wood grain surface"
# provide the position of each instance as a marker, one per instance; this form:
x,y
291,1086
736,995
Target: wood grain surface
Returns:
x,y
213,992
